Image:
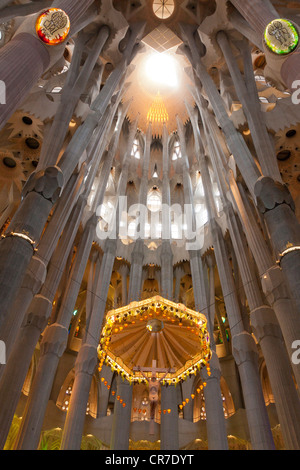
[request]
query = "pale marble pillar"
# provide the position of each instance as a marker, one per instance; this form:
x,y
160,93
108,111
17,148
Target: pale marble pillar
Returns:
x,y
216,428
169,435
75,85
271,276
25,58
248,95
259,14
122,417
267,331
36,319
36,271
86,360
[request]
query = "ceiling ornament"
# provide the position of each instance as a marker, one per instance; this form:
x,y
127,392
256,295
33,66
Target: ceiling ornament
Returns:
x,y
157,114
163,9
53,26
281,36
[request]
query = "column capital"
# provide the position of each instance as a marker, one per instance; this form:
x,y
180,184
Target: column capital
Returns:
x,y
54,340
273,285
48,183
270,194
244,348
38,312
264,323
86,360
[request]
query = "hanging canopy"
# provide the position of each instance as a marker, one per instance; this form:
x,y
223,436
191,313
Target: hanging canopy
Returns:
x,y
155,331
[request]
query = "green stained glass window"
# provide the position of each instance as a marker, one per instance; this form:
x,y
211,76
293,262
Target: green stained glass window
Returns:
x,y
281,36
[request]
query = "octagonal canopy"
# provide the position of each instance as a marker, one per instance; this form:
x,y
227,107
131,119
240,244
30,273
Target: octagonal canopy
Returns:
x,y
155,336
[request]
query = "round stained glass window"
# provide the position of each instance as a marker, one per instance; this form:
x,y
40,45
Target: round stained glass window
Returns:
x,y
53,26
281,36
163,9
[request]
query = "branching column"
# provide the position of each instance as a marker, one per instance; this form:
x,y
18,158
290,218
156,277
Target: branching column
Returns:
x,y
271,275
258,14
248,96
215,421
243,345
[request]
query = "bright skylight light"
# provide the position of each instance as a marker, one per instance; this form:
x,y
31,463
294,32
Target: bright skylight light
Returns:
x,y
161,69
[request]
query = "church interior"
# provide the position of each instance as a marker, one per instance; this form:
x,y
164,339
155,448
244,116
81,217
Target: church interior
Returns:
x,y
149,221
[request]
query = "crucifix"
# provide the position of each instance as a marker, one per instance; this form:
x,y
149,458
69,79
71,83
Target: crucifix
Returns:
x,y
154,384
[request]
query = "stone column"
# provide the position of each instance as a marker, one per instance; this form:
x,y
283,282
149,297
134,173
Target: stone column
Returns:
x,y
234,139
178,274
259,14
17,247
124,271
247,93
216,428
242,342
275,203
267,331
271,276
166,250
36,270
169,437
35,401
25,58
98,108
35,321
87,357
122,416
169,433
75,85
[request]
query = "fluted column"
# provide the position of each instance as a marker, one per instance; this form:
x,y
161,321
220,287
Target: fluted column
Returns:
x,y
122,416
169,437
215,421
36,271
87,359
169,432
247,93
75,85
267,331
272,280
16,249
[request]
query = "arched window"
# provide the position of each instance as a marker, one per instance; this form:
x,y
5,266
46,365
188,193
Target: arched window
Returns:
x,y
154,200
135,152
